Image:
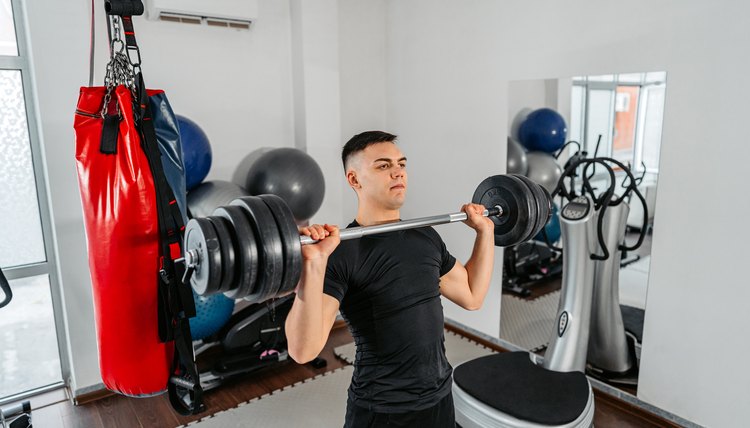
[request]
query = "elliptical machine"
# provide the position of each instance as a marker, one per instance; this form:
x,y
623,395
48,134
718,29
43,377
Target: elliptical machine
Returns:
x,y
251,340
18,416
557,393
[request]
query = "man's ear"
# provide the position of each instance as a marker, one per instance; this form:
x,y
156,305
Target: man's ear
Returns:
x,y
351,178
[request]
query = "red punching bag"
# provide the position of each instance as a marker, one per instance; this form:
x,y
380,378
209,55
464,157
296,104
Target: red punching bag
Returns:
x,y
133,231
122,230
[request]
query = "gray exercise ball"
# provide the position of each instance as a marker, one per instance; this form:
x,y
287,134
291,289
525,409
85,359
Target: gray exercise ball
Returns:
x,y
239,177
209,195
291,174
543,169
517,162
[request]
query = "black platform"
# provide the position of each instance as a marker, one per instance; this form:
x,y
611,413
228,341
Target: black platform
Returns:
x,y
632,318
512,384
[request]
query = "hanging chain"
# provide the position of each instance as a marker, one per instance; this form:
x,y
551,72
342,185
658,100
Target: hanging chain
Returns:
x,y
119,69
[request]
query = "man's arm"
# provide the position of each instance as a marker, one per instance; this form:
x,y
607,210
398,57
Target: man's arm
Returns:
x,y
467,285
313,312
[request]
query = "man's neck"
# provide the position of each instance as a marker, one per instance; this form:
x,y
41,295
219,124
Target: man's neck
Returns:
x,y
368,215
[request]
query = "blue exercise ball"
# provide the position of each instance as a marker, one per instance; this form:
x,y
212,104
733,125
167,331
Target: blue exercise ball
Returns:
x,y
543,130
196,152
211,313
552,228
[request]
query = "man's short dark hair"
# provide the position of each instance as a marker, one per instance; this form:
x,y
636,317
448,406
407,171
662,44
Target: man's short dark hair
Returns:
x,y
361,141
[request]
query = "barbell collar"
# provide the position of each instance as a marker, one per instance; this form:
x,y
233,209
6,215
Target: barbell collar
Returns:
x,y
359,232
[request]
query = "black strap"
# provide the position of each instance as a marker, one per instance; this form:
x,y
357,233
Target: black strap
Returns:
x,y
175,297
110,130
134,54
176,303
124,7
184,388
5,286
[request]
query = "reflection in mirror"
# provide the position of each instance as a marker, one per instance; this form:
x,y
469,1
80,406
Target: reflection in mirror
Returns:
x,y
558,125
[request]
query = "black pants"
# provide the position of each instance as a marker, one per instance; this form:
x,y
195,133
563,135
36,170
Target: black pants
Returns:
x,y
441,415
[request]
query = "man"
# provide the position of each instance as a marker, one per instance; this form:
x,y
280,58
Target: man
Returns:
x,y
388,289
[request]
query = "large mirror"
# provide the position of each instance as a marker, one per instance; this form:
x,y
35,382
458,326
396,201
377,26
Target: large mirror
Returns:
x,y
553,123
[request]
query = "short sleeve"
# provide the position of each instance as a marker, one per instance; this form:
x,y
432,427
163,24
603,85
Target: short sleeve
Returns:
x,y
336,279
447,260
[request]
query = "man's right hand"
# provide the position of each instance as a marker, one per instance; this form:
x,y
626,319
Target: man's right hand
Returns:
x,y
313,312
328,239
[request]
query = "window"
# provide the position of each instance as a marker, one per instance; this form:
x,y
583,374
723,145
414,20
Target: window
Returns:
x,y
620,116
8,44
30,359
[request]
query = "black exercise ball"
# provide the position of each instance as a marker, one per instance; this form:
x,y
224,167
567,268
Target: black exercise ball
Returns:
x,y
240,173
209,195
291,174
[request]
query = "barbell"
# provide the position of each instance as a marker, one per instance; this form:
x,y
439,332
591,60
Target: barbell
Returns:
x,y
252,248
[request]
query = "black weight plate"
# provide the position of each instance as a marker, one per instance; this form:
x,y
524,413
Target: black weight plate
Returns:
x,y
200,237
512,196
535,208
270,249
549,202
545,204
246,252
228,260
289,240
541,209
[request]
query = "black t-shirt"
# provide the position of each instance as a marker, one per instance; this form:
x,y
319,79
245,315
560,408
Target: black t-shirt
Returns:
x,y
389,289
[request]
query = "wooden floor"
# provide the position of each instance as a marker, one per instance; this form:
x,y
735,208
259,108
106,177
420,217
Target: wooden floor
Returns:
x,y
119,411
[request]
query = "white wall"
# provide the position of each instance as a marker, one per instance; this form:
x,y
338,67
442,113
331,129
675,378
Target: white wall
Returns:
x,y
524,96
449,67
362,62
235,84
451,113
315,58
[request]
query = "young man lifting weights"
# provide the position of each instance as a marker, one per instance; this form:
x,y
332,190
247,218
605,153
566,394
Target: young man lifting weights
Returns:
x,y
388,288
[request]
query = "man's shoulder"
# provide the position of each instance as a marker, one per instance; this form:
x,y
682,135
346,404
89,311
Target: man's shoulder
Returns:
x,y
346,250
430,233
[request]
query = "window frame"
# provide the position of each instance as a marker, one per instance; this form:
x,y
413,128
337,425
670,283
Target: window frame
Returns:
x,y
23,63
587,85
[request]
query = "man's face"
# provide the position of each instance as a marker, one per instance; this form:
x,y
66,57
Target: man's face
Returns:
x,y
380,175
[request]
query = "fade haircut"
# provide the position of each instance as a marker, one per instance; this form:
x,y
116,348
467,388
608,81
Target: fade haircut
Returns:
x,y
361,141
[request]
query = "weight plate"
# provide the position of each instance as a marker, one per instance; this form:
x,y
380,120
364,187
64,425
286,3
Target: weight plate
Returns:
x,y
547,203
534,203
289,240
541,209
246,252
270,249
201,238
513,196
228,261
